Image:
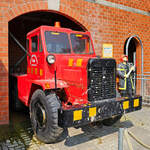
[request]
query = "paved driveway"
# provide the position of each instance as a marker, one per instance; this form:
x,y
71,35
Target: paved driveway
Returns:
x,y
19,134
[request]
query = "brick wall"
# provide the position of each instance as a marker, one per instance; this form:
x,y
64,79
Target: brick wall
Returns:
x,y
138,4
106,24
110,25
9,9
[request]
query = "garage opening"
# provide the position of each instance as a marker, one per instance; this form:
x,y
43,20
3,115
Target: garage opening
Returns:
x,y
21,25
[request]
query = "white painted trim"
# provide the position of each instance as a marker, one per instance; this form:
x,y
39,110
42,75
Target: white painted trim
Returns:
x,y
120,6
54,4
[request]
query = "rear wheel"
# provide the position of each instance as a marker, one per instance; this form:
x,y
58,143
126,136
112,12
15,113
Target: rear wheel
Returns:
x,y
44,116
111,121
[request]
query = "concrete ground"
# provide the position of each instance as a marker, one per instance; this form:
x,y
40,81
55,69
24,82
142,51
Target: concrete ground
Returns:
x,y
19,135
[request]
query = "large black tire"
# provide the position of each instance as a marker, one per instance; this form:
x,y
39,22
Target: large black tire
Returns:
x,y
44,116
111,121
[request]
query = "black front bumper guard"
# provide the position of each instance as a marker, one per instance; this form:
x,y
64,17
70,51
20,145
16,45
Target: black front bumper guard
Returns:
x,y
99,110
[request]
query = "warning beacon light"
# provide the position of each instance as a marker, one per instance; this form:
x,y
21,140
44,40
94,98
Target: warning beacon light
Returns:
x,y
57,24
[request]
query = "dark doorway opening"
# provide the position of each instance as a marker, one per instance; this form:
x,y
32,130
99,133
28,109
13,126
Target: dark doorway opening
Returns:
x,y
132,57
131,50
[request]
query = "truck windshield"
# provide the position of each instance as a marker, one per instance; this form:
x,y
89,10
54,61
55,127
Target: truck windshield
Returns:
x,y
81,44
57,42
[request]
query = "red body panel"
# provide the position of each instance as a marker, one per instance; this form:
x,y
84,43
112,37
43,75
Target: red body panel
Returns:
x,y
71,70
25,85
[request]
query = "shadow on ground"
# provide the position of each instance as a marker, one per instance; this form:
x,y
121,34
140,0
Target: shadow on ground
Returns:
x,y
18,134
95,131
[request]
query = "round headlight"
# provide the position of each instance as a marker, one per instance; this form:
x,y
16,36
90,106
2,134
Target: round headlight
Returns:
x,y
51,59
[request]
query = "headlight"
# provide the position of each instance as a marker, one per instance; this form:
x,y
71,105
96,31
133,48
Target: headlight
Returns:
x,y
51,59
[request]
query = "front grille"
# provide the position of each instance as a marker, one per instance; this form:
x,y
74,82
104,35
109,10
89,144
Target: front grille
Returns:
x,y
101,79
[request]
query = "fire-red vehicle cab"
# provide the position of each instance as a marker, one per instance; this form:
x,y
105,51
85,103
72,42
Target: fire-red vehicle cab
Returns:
x,y
67,85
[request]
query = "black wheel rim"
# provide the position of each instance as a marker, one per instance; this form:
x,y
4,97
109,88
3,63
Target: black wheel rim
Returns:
x,y
40,115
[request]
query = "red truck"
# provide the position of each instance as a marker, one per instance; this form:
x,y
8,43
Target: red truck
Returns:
x,y
67,85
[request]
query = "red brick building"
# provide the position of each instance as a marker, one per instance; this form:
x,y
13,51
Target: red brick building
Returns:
x,y
109,21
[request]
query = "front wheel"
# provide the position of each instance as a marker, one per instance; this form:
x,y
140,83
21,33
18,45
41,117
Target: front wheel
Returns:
x,y
44,116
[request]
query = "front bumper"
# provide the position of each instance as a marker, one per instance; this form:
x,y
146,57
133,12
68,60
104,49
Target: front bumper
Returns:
x,y
99,110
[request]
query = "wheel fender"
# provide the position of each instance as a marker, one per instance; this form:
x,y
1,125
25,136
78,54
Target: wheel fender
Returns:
x,y
50,84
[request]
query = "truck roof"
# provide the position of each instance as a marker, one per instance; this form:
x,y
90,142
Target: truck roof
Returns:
x,y
52,28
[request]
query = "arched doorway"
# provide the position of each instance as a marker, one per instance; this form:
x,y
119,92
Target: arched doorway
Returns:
x,y
21,25
134,49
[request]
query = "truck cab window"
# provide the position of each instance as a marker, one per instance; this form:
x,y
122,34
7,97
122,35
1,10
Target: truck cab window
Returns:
x,y
81,44
34,43
57,42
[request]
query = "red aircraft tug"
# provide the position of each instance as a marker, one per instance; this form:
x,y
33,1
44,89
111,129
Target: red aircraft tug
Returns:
x,y
67,85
